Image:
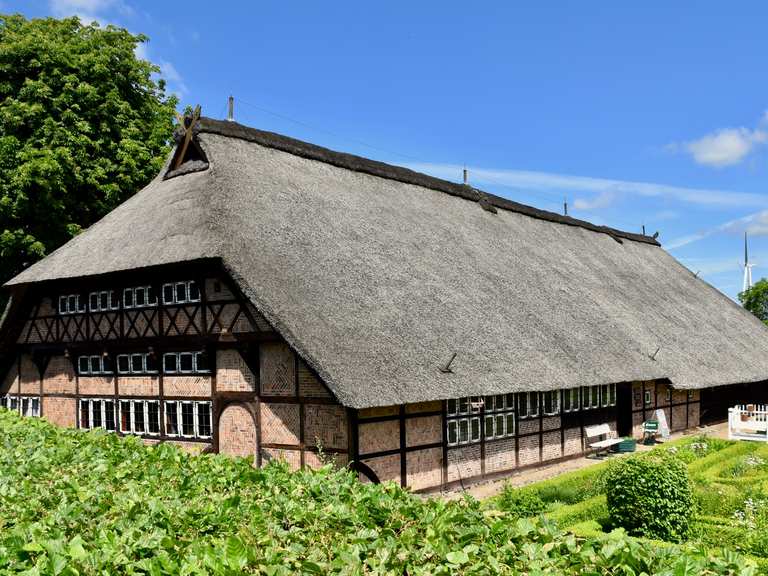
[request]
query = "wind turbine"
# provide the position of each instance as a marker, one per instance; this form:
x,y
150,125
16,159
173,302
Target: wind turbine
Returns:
x,y
747,267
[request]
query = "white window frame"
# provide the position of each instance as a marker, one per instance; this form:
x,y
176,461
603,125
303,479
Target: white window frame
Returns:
x,y
65,308
528,396
586,397
575,404
198,433
90,372
146,290
187,297
555,396
647,397
611,395
99,308
195,405
195,363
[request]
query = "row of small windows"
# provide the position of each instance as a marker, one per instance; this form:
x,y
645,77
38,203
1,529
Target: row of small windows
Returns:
x,y
135,297
25,405
530,403
145,363
182,418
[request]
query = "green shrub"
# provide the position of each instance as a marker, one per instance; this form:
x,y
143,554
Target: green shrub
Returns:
x,y
520,503
651,496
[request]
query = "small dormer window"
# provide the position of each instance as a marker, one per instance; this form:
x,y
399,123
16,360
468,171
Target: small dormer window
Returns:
x,y
189,155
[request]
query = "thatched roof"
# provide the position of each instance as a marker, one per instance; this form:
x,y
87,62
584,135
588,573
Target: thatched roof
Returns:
x,y
377,275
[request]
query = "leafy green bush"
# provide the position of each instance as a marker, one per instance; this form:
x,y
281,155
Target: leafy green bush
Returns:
x,y
520,503
650,495
77,503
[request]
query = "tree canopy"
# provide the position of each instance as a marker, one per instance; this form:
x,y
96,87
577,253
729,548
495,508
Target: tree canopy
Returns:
x,y
755,299
84,124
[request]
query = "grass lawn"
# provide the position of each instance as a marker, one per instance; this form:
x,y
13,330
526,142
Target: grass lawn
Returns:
x,y
730,485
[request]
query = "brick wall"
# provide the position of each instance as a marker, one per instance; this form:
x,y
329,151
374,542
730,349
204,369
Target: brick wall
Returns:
x,y
184,385
237,431
59,377
551,446
290,457
463,462
385,467
425,468
551,423
379,411
528,452
309,385
572,441
232,373
279,423
138,385
694,411
277,370
325,426
30,376
11,381
678,417
315,460
500,455
434,406
60,411
378,436
97,385
528,425
424,430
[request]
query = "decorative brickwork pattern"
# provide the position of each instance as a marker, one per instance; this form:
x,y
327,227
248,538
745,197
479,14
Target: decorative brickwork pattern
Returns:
x,y
661,396
277,370
214,295
528,452
695,395
678,417
694,411
30,376
424,430
552,448
550,423
572,441
637,395
46,307
309,385
232,373
59,377
97,385
60,411
435,406
141,323
325,426
186,385
237,431
279,423
378,436
679,396
182,320
637,425
138,385
424,468
379,411
463,462
104,326
500,455
261,322
385,467
291,457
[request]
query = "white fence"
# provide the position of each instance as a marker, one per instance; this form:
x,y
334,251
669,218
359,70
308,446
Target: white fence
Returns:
x,y
748,422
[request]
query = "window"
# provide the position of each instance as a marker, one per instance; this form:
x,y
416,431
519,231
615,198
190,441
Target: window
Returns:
x,y
571,400
104,300
71,304
139,297
590,397
181,292
463,431
136,363
188,419
140,417
608,395
528,404
25,405
97,413
647,396
94,365
690,394
551,402
499,416
668,395
186,363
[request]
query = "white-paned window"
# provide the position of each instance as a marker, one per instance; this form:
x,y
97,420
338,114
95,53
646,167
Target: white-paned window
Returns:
x,y
94,365
647,396
181,292
185,363
140,417
98,413
608,395
71,304
104,300
24,405
590,397
136,363
187,419
499,416
551,402
528,404
571,400
139,297
463,431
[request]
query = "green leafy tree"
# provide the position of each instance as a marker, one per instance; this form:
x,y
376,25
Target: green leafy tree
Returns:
x,y
84,124
755,299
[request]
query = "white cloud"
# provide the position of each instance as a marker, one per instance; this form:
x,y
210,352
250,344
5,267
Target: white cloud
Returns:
x,y
725,147
172,76
89,10
755,224
602,200
559,183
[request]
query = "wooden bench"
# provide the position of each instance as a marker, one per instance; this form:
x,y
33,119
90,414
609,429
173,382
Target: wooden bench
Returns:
x,y
601,431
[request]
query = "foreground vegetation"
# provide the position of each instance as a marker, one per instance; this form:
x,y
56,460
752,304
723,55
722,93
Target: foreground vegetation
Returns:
x,y
730,496
75,502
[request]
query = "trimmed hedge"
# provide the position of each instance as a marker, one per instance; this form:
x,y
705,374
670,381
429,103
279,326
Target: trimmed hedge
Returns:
x,y
650,495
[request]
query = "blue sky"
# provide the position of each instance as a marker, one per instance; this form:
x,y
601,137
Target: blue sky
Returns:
x,y
648,113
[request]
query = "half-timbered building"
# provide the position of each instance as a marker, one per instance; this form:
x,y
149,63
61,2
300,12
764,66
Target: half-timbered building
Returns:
x,y
269,298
